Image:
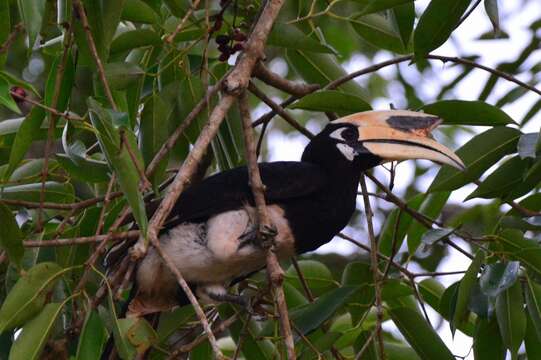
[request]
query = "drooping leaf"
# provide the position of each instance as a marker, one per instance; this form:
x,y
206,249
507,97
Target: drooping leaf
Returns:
x,y
332,101
461,112
465,288
379,32
289,37
432,236
491,8
533,302
5,96
11,238
496,143
404,18
92,339
498,277
437,23
30,343
133,39
54,192
359,274
527,251
139,11
511,317
120,75
28,295
32,13
531,341
487,341
120,159
317,275
172,320
419,334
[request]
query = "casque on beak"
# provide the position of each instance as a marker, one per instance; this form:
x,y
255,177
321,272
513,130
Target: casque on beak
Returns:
x,y
396,135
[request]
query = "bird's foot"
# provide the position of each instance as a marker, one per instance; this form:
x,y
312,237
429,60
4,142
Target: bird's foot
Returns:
x,y
263,237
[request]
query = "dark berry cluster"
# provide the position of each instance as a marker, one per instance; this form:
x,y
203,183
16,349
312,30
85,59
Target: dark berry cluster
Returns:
x,y
230,43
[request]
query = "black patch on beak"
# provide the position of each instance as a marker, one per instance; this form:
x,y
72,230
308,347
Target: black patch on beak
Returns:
x,y
410,123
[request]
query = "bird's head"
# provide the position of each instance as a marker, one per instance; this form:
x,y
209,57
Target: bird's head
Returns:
x,y
371,138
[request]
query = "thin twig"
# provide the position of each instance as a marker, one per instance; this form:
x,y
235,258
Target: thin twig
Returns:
x,y
94,51
11,37
274,271
171,37
374,267
66,115
294,88
82,240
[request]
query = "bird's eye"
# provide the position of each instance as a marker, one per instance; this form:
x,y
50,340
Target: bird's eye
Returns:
x,y
349,134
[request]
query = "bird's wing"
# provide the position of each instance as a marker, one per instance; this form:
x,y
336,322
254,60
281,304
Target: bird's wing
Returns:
x,y
230,190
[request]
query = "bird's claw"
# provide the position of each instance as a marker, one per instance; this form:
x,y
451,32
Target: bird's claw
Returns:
x,y
267,235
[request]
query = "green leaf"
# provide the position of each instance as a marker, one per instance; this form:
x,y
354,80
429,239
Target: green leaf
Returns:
x,y
85,169
432,236
321,69
465,288
431,290
92,337
66,86
30,343
317,275
332,101
378,31
437,23
172,320
138,332
11,238
289,37
419,334
134,39
499,277
153,132
28,295
487,341
122,74
431,207
526,145
24,138
461,112
387,234
480,303
495,143
491,8
32,13
532,341
372,6
526,250
359,274
5,96
404,18
499,183
139,11
54,192
511,318
533,303
120,159
5,29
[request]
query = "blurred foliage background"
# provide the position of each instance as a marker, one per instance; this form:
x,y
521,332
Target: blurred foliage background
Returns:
x,y
465,246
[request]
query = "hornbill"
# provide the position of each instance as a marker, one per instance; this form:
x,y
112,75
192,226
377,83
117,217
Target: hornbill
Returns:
x,y
210,233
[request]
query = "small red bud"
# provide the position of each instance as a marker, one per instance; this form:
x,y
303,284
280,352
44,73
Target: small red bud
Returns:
x,y
18,94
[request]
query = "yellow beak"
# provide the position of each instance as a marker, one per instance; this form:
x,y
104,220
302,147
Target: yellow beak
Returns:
x,y
396,135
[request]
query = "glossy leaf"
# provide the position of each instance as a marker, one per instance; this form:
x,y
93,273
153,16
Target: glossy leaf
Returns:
x,y
499,183
138,332
11,238
86,169
62,95
122,74
359,274
92,339
460,112
511,317
317,275
465,288
172,320
533,302
54,192
153,132
30,343
379,32
437,23
532,341
120,159
499,277
518,247
432,236
487,341
491,8
496,142
139,11
321,69
32,13
404,17
289,37
28,295
372,6
332,101
134,39
419,334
